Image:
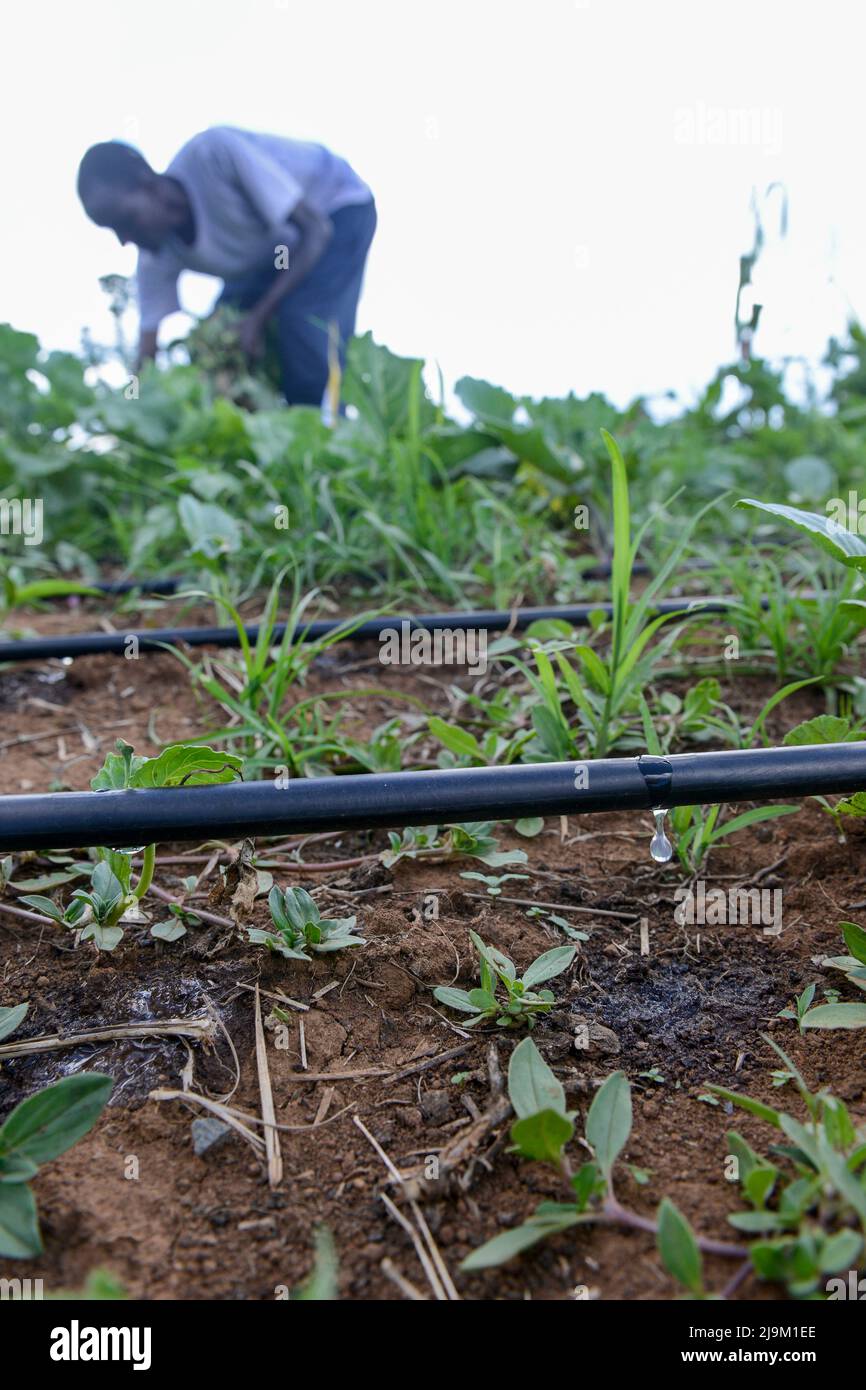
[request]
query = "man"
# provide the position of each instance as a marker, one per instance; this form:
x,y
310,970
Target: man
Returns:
x,y
285,224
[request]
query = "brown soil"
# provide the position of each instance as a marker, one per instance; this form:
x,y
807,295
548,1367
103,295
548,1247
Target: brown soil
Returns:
x,y
209,1227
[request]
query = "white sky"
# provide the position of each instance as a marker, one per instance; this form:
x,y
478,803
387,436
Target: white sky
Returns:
x,y
543,220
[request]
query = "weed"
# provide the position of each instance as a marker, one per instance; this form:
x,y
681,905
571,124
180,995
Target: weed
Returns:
x,y
38,1130
300,927
522,1002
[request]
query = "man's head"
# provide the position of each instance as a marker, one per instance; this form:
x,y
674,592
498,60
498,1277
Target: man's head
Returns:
x,y
119,190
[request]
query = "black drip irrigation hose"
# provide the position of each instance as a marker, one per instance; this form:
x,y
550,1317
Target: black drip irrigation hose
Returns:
x,y
489,620
73,820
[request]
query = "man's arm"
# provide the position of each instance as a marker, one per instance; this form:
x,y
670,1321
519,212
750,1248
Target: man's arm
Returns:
x,y
316,231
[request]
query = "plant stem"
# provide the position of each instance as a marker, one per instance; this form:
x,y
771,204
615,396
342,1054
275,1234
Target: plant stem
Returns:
x,y
146,876
613,1214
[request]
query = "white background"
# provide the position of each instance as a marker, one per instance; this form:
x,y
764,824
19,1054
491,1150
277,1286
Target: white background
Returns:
x,y
544,222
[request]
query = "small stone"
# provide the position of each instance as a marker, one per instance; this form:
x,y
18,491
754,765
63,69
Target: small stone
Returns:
x,y
594,1038
208,1132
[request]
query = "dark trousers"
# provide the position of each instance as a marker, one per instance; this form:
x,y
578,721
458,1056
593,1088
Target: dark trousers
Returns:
x,y
328,294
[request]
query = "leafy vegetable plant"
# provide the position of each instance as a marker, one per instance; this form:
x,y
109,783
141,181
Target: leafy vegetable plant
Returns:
x,y
98,911
522,1001
300,927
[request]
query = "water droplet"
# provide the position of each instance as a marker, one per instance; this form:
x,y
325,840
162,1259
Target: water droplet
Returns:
x,y
661,848
139,849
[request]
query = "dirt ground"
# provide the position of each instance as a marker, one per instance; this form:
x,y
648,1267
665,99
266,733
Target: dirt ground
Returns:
x,y
133,1197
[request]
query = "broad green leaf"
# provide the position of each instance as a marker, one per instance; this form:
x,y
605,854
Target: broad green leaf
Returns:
x,y
454,999
50,1122
10,1019
186,764
542,1136
756,1222
211,531
608,1123
855,940
530,826
458,740
840,1251
168,931
548,965
532,1086
826,728
43,882
836,1016
19,1226
828,533
679,1248
118,768
104,938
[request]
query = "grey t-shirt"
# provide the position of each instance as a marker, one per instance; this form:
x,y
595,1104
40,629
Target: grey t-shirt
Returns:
x,y
243,188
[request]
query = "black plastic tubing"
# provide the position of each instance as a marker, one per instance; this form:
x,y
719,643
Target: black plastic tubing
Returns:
x,y
490,620
71,820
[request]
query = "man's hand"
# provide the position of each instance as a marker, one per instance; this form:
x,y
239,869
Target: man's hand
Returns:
x,y
251,336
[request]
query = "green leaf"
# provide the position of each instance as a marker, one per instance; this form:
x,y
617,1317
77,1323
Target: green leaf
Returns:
x,y
50,1122
855,940
754,1107
608,1123
10,1019
19,1226
168,931
532,1086
454,999
46,906
458,740
759,1184
116,771
825,728
186,764
549,965
510,1243
825,531
210,530
836,1016
679,1248
54,880
104,938
840,1251
529,826
542,1136
756,1222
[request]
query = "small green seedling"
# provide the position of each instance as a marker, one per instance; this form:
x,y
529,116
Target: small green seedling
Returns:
x,y
300,928
853,966
475,840
492,882
112,898
522,1000
38,1130
799,1006
808,1217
